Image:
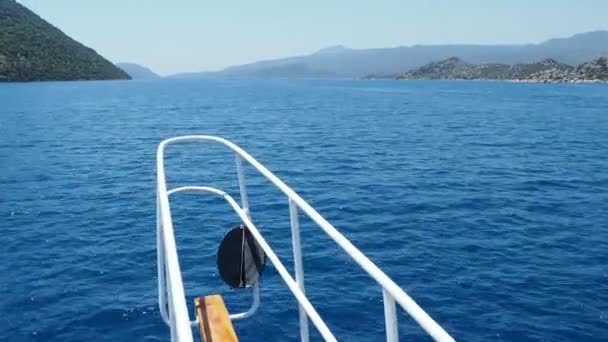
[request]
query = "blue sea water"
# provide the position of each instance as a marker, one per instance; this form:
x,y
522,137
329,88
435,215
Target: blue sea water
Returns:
x,y
486,201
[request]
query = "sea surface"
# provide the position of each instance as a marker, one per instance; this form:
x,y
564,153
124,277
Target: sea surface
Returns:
x,y
486,201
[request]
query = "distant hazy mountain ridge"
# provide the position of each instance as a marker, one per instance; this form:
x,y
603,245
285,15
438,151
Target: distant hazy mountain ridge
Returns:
x,y
339,61
31,49
138,72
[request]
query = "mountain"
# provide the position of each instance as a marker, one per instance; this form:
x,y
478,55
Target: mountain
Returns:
x,y
138,72
339,61
289,70
548,70
31,49
332,50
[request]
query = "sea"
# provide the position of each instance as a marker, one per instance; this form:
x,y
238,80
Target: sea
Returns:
x,y
486,201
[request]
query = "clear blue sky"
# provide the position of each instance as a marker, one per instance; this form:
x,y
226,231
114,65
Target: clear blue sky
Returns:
x,y
196,35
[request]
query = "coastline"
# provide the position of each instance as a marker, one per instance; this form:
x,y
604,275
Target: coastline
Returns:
x,y
514,80
556,81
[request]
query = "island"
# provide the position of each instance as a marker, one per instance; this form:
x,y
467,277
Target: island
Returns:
x,y
31,49
546,71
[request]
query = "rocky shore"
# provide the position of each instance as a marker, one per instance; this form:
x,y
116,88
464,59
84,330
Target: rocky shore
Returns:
x,y
545,71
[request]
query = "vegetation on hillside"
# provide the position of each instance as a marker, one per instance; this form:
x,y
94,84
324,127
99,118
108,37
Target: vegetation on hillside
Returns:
x,y
547,70
31,49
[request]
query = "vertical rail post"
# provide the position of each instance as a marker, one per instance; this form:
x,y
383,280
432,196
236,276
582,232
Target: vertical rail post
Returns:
x,y
160,264
245,204
390,317
242,187
299,268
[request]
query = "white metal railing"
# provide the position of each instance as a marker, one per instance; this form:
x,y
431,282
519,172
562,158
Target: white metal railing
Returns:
x,y
172,301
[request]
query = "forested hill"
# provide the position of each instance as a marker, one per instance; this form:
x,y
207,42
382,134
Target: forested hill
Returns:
x,y
31,49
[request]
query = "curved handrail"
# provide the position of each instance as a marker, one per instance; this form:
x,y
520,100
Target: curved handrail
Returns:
x,y
172,277
256,287
388,285
293,286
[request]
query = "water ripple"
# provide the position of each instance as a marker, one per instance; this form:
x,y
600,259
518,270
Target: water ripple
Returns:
x,y
486,201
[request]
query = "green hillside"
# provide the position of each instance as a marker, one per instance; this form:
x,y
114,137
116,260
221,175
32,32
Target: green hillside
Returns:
x,y
31,49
